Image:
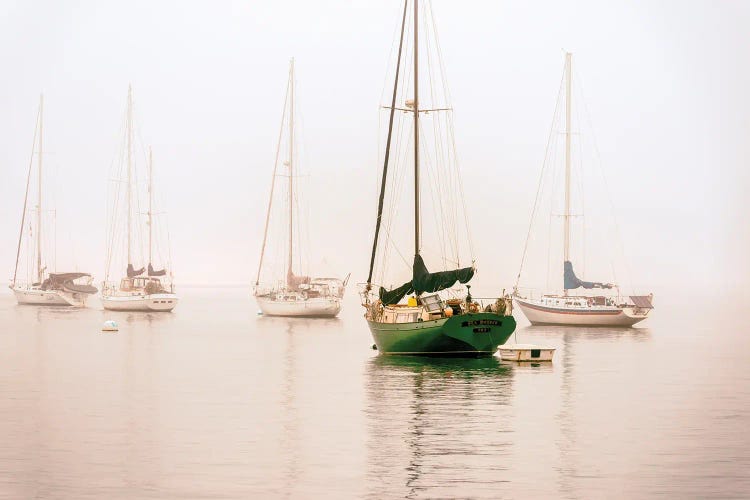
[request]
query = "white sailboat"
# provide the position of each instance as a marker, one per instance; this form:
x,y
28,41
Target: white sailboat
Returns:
x,y
42,287
144,288
294,295
593,308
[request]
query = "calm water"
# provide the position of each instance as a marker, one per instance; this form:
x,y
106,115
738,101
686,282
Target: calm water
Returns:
x,y
214,402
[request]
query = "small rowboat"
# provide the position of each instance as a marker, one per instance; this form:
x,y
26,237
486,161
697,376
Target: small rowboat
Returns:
x,y
526,352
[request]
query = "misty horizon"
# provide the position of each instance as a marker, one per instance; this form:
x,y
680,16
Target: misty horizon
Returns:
x,y
667,106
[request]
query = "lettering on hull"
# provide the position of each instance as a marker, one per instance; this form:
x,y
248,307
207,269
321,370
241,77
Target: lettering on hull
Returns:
x,y
481,322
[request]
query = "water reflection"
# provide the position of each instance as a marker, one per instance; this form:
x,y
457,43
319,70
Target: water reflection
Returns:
x,y
290,435
436,424
567,471
586,332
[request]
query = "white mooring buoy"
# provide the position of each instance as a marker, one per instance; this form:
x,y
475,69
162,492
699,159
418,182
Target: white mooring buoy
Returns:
x,y
109,326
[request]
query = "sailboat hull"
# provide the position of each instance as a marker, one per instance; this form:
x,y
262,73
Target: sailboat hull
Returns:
x,y
39,297
539,314
157,302
310,308
468,335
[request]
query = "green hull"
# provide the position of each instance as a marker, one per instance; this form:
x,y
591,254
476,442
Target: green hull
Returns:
x,y
467,335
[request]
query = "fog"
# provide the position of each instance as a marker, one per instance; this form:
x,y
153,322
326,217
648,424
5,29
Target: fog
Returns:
x,y
666,85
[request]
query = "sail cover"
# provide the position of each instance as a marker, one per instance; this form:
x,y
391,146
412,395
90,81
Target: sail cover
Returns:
x,y
66,282
572,281
425,281
394,296
152,272
293,281
132,273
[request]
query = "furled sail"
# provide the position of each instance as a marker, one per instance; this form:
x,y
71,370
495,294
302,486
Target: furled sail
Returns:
x,y
152,272
394,296
66,281
293,281
425,281
572,281
132,273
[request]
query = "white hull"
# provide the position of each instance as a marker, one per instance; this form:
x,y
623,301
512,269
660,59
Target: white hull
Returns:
x,y
526,352
40,297
164,302
319,307
539,314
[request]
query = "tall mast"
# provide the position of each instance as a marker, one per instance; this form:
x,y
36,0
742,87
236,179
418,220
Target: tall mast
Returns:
x,y
150,203
566,215
387,147
273,184
291,170
416,128
129,132
39,205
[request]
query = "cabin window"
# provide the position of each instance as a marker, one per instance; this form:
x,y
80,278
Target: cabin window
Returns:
x,y
536,353
406,317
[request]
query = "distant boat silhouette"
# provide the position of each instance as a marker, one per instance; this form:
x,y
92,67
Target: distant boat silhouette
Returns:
x,y
143,288
45,288
294,295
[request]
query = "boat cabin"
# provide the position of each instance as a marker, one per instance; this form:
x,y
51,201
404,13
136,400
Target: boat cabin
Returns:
x,y
148,284
583,302
424,308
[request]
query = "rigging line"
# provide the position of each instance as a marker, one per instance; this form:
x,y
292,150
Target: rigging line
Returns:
x,y
429,170
451,135
169,254
273,183
579,142
114,193
26,196
398,184
433,186
113,189
555,182
387,148
452,150
396,188
401,154
539,185
462,195
443,74
448,238
442,153
618,234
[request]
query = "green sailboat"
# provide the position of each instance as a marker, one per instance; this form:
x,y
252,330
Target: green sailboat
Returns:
x,y
435,320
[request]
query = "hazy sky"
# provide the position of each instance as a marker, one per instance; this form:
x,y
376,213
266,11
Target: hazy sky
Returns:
x,y
667,87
